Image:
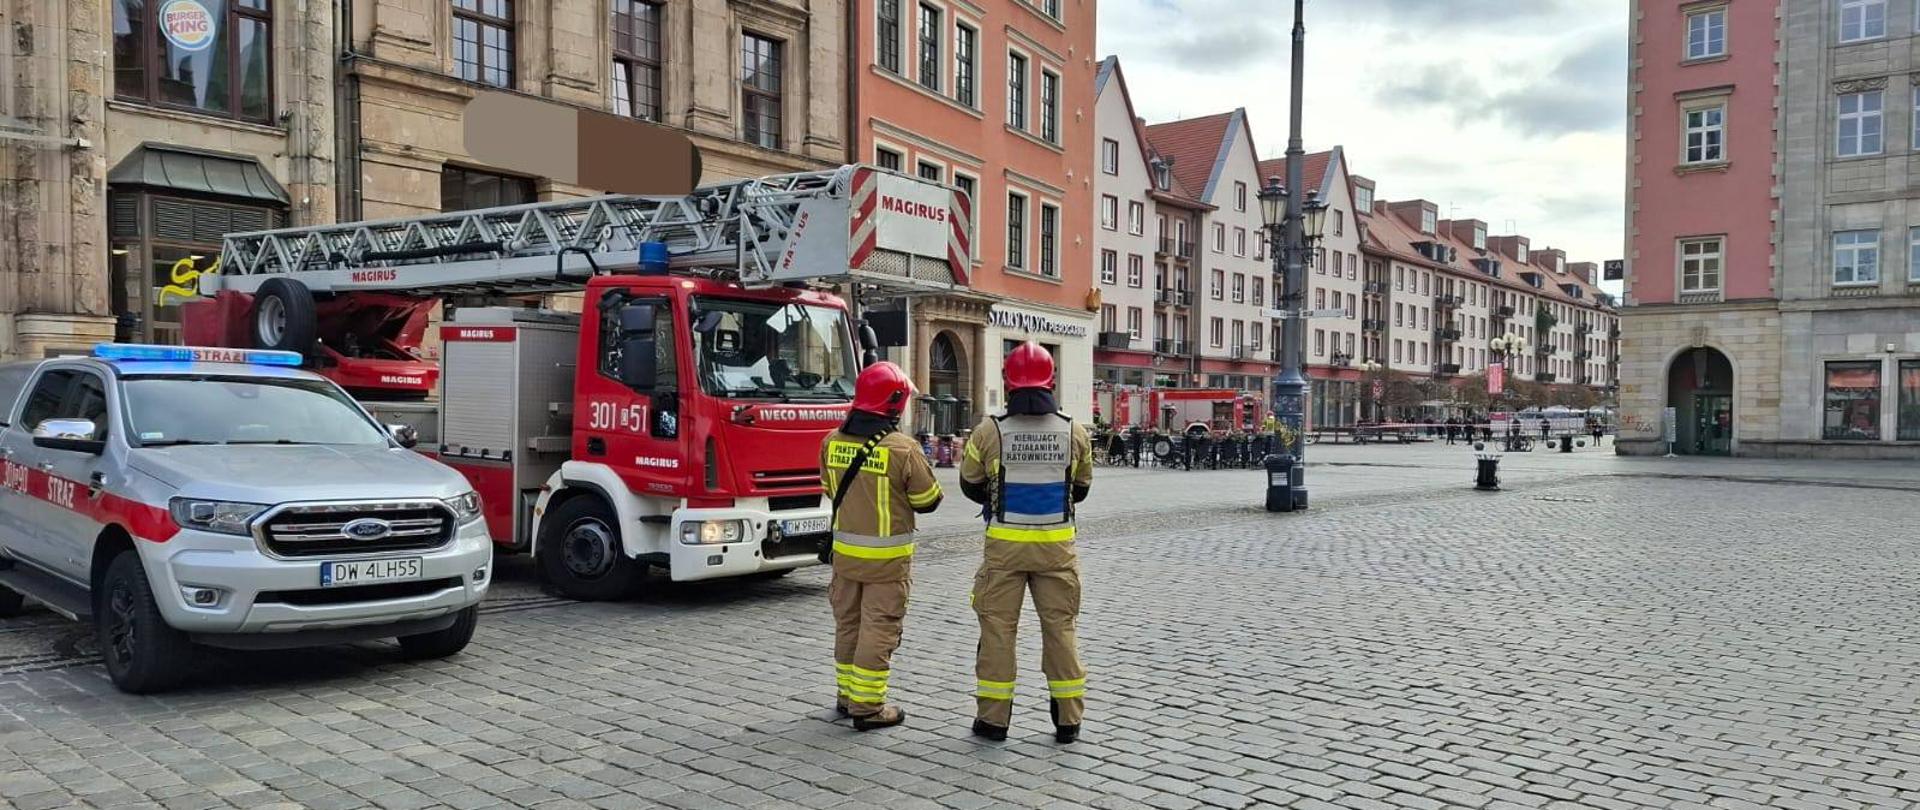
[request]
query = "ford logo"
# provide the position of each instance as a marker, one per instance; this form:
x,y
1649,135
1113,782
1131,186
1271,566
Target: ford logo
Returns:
x,y
367,529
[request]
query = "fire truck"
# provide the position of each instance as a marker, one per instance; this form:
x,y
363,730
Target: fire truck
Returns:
x,y
675,421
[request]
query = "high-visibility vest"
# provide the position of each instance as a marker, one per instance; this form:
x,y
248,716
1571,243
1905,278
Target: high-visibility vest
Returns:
x,y
1034,491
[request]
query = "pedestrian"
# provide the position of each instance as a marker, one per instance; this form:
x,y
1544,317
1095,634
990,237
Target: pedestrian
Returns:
x,y
878,480
1599,431
1028,467
1546,429
1453,426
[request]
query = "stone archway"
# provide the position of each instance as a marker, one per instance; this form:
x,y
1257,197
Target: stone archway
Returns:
x,y
1700,390
947,383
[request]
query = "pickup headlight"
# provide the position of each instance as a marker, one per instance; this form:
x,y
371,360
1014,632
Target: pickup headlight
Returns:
x,y
712,532
466,508
224,517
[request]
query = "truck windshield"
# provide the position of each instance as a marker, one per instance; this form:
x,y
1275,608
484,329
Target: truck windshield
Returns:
x,y
767,349
174,410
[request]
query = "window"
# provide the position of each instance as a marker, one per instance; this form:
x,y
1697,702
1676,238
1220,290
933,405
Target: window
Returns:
x,y
1862,20
1239,196
1363,199
1016,231
1396,351
1707,33
1853,400
930,31
931,171
968,186
1051,8
1253,338
1110,156
1216,332
636,59
1913,255
1016,91
760,71
1049,107
1133,322
1219,238
1259,291
1218,290
224,70
1397,312
1108,318
466,189
1856,257
1859,126
1049,239
1109,212
1319,298
888,33
1239,288
1339,223
1109,267
887,158
1909,427
1239,241
1319,342
1136,218
965,64
1700,265
1428,222
483,41
1706,133
1240,336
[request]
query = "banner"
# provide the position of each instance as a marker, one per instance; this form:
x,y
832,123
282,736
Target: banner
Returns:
x,y
1496,378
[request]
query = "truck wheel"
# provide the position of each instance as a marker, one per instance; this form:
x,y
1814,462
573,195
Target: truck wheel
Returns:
x,y
11,602
283,316
143,654
581,554
442,643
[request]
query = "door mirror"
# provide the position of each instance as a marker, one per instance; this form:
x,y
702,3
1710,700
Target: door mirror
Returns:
x,y
405,435
68,434
637,345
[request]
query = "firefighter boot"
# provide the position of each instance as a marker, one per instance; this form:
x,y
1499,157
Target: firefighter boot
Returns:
x,y
989,731
887,717
1062,734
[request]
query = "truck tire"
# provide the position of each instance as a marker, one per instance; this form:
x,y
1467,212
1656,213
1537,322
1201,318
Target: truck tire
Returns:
x,y
11,602
283,317
142,652
442,643
581,555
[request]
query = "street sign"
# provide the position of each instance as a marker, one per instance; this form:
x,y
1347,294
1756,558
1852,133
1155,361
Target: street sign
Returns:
x,y
1307,313
1615,270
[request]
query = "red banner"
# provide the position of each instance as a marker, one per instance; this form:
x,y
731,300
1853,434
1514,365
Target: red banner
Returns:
x,y
1496,378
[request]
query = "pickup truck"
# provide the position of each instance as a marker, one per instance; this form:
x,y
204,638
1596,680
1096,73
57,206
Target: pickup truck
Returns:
x,y
177,496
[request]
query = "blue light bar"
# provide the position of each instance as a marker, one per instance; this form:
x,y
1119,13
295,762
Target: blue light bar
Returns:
x,y
195,354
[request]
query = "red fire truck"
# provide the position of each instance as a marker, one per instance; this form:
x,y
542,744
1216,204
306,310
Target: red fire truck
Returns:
x,y
675,421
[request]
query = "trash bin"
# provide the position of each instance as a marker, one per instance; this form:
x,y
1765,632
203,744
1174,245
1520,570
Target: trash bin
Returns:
x,y
1487,478
1280,471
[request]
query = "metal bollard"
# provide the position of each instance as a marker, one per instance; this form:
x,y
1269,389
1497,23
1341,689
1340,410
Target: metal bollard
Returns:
x,y
1280,476
1488,478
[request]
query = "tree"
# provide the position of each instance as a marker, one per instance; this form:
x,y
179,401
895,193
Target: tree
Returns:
x,y
1471,391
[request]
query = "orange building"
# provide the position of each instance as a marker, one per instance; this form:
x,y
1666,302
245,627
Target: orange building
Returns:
x,y
995,98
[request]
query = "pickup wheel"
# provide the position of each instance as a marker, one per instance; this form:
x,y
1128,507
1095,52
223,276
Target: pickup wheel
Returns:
x,y
442,643
11,602
143,654
581,555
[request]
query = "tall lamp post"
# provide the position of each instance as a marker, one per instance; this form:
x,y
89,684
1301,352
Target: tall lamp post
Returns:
x,y
1291,233
1504,348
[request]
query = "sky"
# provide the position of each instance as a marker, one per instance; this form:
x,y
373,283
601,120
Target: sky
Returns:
x,y
1508,111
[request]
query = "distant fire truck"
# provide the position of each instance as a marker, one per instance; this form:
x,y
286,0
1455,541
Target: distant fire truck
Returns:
x,y
676,421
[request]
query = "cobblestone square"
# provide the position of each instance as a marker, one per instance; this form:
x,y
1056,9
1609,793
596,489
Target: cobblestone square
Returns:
x,y
1602,634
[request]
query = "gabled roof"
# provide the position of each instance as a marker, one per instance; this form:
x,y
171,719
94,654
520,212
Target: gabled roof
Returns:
x,y
1314,172
1178,194
1198,147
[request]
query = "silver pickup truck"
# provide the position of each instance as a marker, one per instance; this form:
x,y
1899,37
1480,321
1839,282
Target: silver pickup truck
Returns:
x,y
179,495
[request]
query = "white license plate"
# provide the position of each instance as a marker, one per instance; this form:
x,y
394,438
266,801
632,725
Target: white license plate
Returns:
x,y
803,526
363,572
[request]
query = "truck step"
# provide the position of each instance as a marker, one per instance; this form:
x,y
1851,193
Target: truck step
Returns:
x,y
59,595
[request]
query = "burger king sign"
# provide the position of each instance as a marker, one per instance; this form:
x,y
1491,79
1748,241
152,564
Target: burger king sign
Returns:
x,y
187,24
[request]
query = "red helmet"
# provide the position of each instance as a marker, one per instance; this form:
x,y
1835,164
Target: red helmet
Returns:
x,y
882,388
1029,366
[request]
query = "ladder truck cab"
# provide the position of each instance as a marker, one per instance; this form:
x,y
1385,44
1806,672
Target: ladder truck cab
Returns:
x,y
675,421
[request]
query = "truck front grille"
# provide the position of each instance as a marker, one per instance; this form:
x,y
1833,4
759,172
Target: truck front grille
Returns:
x,y
311,530
786,479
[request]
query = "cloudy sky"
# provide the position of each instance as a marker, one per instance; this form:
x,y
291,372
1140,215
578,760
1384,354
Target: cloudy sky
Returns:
x,y
1509,111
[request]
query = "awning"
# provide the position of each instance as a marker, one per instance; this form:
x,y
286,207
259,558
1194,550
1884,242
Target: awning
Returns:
x,y
198,171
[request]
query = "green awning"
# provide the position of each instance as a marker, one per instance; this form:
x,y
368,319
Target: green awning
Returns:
x,y
199,171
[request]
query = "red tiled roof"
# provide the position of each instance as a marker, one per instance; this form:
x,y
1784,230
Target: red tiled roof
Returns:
x,y
1314,171
1194,144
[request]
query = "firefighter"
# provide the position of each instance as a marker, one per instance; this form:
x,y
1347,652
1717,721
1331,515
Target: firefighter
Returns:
x,y
1028,467
878,479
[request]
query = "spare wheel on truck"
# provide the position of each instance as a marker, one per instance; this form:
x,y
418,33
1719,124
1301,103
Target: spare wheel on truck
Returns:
x,y
283,316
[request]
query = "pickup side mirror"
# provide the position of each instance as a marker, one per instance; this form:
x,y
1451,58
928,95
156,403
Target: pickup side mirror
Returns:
x,y
75,435
405,435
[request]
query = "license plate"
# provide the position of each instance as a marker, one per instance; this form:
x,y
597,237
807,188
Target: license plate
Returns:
x,y
363,572
803,526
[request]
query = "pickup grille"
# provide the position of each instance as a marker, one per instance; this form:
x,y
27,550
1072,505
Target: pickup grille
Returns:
x,y
311,530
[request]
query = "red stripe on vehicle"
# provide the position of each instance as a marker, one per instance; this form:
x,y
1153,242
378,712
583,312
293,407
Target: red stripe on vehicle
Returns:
x,y
152,523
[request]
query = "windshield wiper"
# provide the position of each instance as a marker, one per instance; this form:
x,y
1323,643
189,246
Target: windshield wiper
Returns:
x,y
176,442
267,441
760,391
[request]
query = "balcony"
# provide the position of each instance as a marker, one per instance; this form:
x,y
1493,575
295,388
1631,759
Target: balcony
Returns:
x,y
1116,340
1341,360
1170,346
1448,301
1544,349
1377,287
1446,334
1373,325
1586,379
1583,354
1545,377
1446,370
1166,297
1614,333
1175,248
1502,313
1237,352
1583,330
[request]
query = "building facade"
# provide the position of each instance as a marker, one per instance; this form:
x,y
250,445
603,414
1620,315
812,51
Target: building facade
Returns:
x,y
1773,221
995,98
1333,283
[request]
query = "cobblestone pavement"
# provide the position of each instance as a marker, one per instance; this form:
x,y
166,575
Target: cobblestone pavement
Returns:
x,y
1597,636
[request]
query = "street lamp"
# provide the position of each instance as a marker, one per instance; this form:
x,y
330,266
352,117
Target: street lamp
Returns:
x,y
1291,231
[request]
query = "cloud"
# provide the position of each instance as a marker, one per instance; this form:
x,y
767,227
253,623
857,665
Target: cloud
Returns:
x,y
1437,13
1584,92
1220,50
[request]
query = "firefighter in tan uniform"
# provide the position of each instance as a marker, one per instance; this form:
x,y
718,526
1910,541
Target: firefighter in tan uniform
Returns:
x,y
878,478
1028,467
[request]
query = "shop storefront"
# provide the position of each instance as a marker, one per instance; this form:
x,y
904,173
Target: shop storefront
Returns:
x,y
1067,334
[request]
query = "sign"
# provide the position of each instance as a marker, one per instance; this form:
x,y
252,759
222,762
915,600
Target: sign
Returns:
x,y
1615,270
479,334
1028,322
1496,378
1283,314
187,24
185,280
1671,416
911,216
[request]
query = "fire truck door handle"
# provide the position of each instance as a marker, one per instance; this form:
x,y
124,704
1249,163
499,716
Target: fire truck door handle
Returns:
x,y
596,446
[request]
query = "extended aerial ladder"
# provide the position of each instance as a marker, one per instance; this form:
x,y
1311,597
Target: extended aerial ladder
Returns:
x,y
854,225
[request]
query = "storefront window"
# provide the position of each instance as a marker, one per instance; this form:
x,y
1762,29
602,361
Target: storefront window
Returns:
x,y
209,56
1910,400
1853,400
160,247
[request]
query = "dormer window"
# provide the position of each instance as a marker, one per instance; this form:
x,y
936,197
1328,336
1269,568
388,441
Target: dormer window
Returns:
x,y
1428,220
1521,249
1479,237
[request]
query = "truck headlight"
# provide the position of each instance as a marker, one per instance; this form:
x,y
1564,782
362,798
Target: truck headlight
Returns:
x,y
466,508
712,532
224,517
